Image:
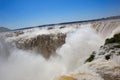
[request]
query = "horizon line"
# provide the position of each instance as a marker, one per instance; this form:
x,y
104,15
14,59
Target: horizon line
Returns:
x,y
63,23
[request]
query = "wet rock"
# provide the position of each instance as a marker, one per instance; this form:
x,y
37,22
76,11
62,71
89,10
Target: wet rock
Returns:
x,y
114,39
17,33
62,27
49,28
110,48
107,57
108,70
44,44
91,58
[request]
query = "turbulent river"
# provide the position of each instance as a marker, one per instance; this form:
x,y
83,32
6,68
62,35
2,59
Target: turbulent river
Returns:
x,y
19,64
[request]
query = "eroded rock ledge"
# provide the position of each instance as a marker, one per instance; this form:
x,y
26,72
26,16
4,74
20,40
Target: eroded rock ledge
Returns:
x,y
103,64
110,53
44,44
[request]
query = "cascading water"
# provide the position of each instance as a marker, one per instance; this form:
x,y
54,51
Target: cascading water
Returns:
x,y
26,65
19,64
105,28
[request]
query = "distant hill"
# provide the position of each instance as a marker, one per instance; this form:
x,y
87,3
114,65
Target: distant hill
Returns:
x,y
3,29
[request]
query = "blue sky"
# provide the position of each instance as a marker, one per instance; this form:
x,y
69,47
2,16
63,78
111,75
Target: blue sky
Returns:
x,y
25,13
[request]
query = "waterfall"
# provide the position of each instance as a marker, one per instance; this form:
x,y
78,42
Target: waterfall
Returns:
x,y
47,54
28,65
105,28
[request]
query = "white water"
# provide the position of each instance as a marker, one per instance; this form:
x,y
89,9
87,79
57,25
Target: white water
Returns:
x,y
28,65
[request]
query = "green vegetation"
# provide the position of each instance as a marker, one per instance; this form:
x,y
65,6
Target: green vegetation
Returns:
x,y
115,39
91,58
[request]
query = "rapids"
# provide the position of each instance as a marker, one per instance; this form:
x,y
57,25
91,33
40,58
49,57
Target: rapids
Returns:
x,y
19,64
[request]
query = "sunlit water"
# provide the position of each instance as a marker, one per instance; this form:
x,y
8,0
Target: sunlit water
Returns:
x,y
16,64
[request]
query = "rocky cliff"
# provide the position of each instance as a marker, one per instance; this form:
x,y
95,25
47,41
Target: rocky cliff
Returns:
x,y
46,44
46,40
103,64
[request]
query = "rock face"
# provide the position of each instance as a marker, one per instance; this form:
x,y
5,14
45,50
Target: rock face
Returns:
x,y
44,41
115,39
110,53
47,40
111,50
111,47
108,70
103,64
46,44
